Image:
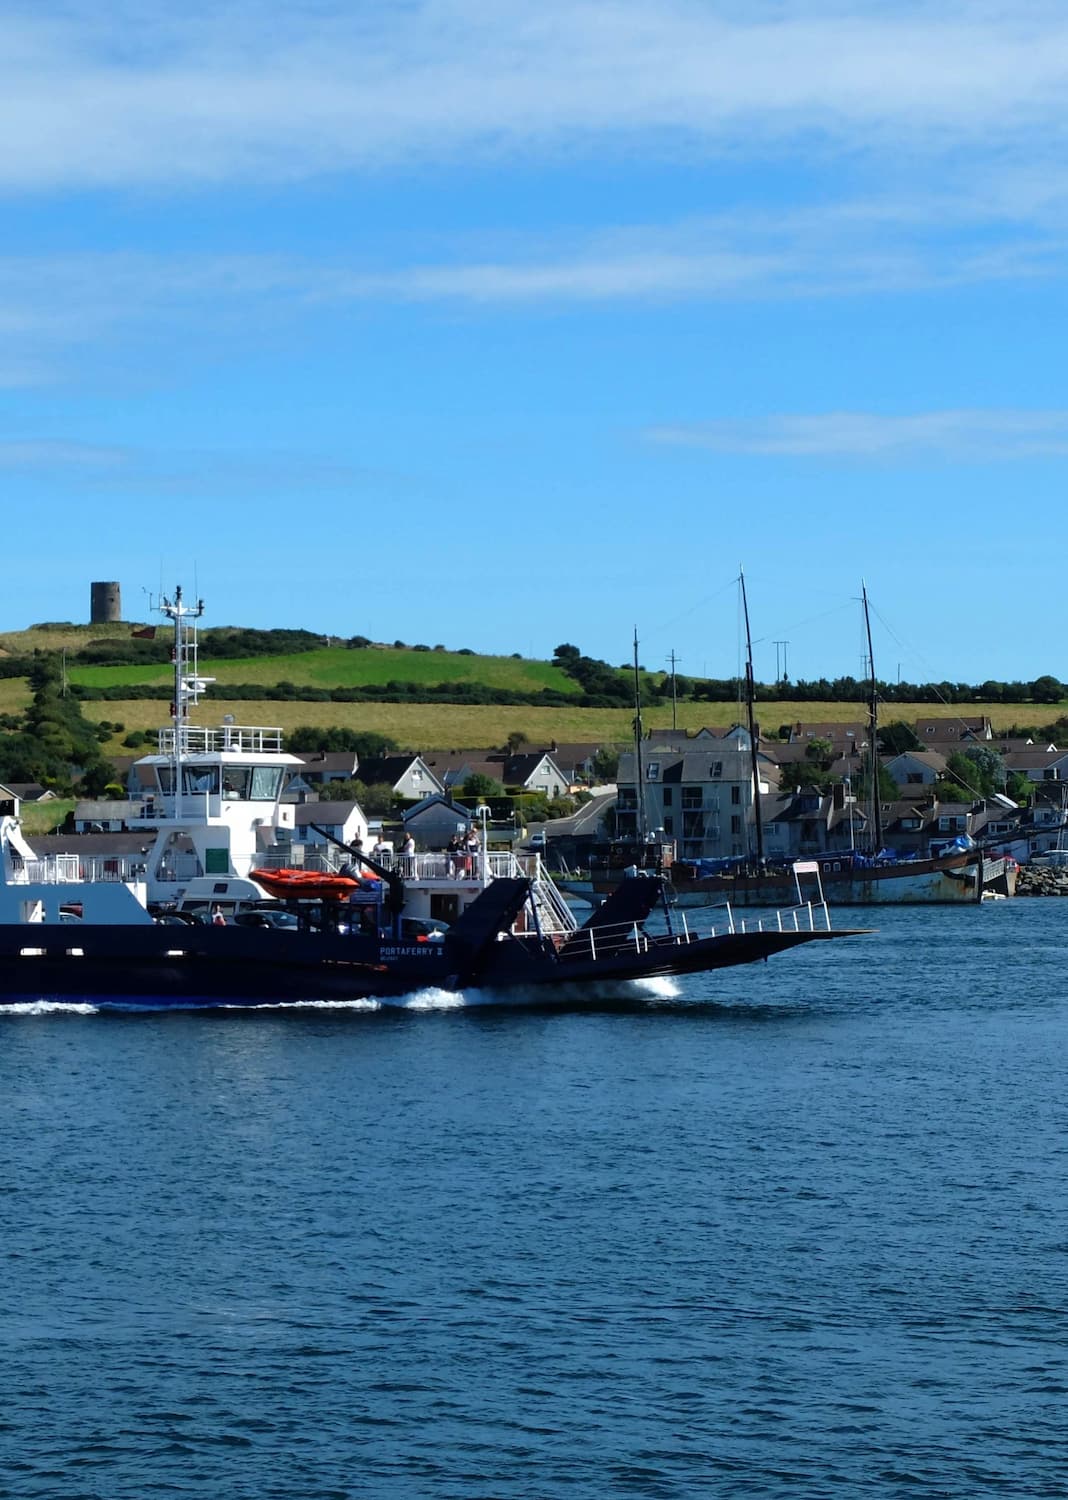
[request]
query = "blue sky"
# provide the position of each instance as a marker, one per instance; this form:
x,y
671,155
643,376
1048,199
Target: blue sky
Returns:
x,y
499,325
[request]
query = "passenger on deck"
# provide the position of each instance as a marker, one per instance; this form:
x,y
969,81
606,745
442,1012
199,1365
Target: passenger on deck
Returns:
x,y
472,848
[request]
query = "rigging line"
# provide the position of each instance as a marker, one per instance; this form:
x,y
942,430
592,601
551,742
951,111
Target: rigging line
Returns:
x,y
907,646
811,620
700,604
950,774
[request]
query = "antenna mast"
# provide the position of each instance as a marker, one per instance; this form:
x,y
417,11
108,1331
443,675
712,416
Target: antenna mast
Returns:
x,y
187,684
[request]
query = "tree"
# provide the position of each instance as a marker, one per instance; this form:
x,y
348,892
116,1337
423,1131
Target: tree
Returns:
x,y
896,738
1020,788
976,770
818,750
605,764
375,799
514,740
480,785
800,775
1046,689
889,791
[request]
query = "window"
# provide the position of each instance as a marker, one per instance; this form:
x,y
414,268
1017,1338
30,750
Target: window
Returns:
x,y
669,825
265,783
200,779
691,797
736,824
667,796
736,796
652,771
716,768
236,782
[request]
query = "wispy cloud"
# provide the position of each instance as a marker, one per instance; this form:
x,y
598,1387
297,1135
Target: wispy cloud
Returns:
x,y
994,230
248,89
969,435
189,472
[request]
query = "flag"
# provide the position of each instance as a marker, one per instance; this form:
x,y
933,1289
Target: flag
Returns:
x,y
145,633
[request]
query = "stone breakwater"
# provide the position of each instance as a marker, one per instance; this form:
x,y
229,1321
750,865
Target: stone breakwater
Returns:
x,y
1041,880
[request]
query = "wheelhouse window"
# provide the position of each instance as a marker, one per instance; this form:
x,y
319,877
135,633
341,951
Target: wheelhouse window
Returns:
x,y
235,783
200,780
266,781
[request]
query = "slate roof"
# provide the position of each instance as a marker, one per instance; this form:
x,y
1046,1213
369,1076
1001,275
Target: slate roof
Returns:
x,y
305,813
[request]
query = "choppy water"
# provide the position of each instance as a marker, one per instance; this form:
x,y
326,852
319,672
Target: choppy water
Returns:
x,y
794,1230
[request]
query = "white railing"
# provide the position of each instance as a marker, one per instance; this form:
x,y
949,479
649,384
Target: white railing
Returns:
x,y
198,739
72,869
615,938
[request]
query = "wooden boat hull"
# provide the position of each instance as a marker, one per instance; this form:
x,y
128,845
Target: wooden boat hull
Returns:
x,y
946,881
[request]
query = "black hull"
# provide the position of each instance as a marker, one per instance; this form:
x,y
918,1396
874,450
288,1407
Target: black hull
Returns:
x,y
172,968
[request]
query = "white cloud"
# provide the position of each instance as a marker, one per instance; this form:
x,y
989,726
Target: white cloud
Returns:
x,y
50,454
249,89
967,435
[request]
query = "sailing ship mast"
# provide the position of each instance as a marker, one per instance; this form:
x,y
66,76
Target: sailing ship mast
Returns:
x,y
639,774
750,703
873,737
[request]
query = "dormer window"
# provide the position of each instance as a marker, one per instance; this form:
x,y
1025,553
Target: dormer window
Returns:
x,y
652,771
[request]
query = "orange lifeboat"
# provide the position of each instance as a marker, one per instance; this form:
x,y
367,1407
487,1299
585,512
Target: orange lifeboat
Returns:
x,y
310,884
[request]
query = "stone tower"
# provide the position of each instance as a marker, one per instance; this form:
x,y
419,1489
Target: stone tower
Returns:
x,y
105,603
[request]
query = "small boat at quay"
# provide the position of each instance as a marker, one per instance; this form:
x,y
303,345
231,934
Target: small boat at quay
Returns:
x,y
213,913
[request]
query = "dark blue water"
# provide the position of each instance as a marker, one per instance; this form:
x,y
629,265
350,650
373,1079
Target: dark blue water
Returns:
x,y
801,1230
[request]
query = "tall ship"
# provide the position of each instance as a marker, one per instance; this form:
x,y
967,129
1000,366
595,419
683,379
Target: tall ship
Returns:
x,y
215,911
865,874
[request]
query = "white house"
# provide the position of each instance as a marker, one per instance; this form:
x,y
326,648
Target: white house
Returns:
x,y
343,821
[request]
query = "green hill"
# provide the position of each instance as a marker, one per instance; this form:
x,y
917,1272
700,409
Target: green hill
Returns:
x,y
338,666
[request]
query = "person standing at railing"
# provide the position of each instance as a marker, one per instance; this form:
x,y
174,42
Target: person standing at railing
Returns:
x,y
408,857
471,849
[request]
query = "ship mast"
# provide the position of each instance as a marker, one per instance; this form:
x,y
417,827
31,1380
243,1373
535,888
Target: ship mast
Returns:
x,y
873,733
186,683
750,704
639,774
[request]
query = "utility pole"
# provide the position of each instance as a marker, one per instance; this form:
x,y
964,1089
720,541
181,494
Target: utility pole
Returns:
x,y
673,659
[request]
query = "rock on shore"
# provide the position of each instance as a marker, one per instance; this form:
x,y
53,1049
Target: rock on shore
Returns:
x,y
1041,880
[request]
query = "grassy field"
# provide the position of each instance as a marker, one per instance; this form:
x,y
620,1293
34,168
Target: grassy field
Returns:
x,y
338,667
429,726
71,637
422,726
44,817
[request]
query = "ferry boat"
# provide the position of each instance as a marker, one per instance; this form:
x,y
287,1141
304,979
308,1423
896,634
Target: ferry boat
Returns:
x,y
209,914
